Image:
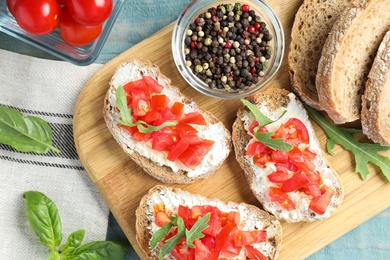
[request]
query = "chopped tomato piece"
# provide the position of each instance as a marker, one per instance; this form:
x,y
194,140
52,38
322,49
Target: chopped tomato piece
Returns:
x,y
194,154
164,141
225,235
242,238
201,251
278,156
276,195
162,218
177,109
159,102
185,214
254,254
153,84
151,117
279,176
177,150
320,204
140,103
208,241
193,118
192,139
255,148
254,125
261,159
297,181
301,160
293,132
185,129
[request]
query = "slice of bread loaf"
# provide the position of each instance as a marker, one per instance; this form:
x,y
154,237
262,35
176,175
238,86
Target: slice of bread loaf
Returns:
x,y
251,218
154,162
311,27
376,98
347,57
272,103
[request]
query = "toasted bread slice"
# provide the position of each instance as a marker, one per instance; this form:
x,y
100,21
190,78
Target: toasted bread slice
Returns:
x,y
273,103
311,27
347,57
251,218
154,162
376,98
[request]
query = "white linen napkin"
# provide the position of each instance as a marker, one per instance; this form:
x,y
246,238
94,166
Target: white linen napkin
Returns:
x,y
47,89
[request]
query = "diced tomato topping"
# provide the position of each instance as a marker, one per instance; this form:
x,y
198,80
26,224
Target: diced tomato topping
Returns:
x,y
262,158
297,181
201,251
293,132
164,141
279,176
251,237
177,109
159,102
255,148
185,129
252,253
276,195
177,150
194,154
193,118
153,84
162,218
320,204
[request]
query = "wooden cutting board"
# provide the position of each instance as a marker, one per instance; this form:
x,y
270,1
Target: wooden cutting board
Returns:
x,y
122,183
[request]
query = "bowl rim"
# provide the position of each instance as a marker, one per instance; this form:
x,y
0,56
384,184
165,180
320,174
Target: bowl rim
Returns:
x,y
197,6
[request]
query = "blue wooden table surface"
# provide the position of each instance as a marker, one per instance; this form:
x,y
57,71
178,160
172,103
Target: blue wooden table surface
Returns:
x,y
140,19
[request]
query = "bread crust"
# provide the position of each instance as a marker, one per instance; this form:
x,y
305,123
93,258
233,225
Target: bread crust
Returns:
x,y
347,57
376,98
251,217
311,27
274,99
164,173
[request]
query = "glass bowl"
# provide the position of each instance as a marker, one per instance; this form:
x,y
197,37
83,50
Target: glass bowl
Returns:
x,y
227,91
52,42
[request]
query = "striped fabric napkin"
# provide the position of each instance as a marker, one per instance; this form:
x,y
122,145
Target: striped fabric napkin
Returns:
x,y
47,89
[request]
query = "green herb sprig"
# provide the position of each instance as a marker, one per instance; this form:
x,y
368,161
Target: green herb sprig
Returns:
x,y
127,119
25,133
363,152
45,221
182,232
265,137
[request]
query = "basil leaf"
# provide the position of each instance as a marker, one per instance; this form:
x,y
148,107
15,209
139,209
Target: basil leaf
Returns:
x,y
25,134
54,255
196,230
44,219
74,240
160,234
127,119
173,241
265,137
363,152
99,250
273,143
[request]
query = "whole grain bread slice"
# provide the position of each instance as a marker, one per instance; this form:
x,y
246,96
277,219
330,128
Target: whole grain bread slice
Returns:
x,y
376,98
161,168
269,101
347,57
311,27
251,218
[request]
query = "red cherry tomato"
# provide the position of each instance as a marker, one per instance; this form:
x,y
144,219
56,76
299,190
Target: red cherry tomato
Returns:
x,y
89,12
77,34
11,6
38,16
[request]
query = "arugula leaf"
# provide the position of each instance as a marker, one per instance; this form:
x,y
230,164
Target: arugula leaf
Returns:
x,y
173,241
25,133
44,219
196,230
74,240
363,152
265,137
126,118
160,234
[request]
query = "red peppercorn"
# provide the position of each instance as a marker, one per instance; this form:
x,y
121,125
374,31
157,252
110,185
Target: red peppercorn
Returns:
x,y
214,19
251,29
257,26
194,45
245,8
253,70
228,45
257,60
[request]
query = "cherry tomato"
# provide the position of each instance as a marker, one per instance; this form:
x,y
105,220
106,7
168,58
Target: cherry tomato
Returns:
x,y
38,16
11,6
89,12
77,34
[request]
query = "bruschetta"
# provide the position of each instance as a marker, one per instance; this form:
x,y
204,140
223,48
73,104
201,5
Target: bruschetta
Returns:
x,y
174,224
277,148
164,132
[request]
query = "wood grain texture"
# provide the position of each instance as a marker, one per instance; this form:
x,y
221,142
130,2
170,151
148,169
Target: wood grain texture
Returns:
x,y
122,183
